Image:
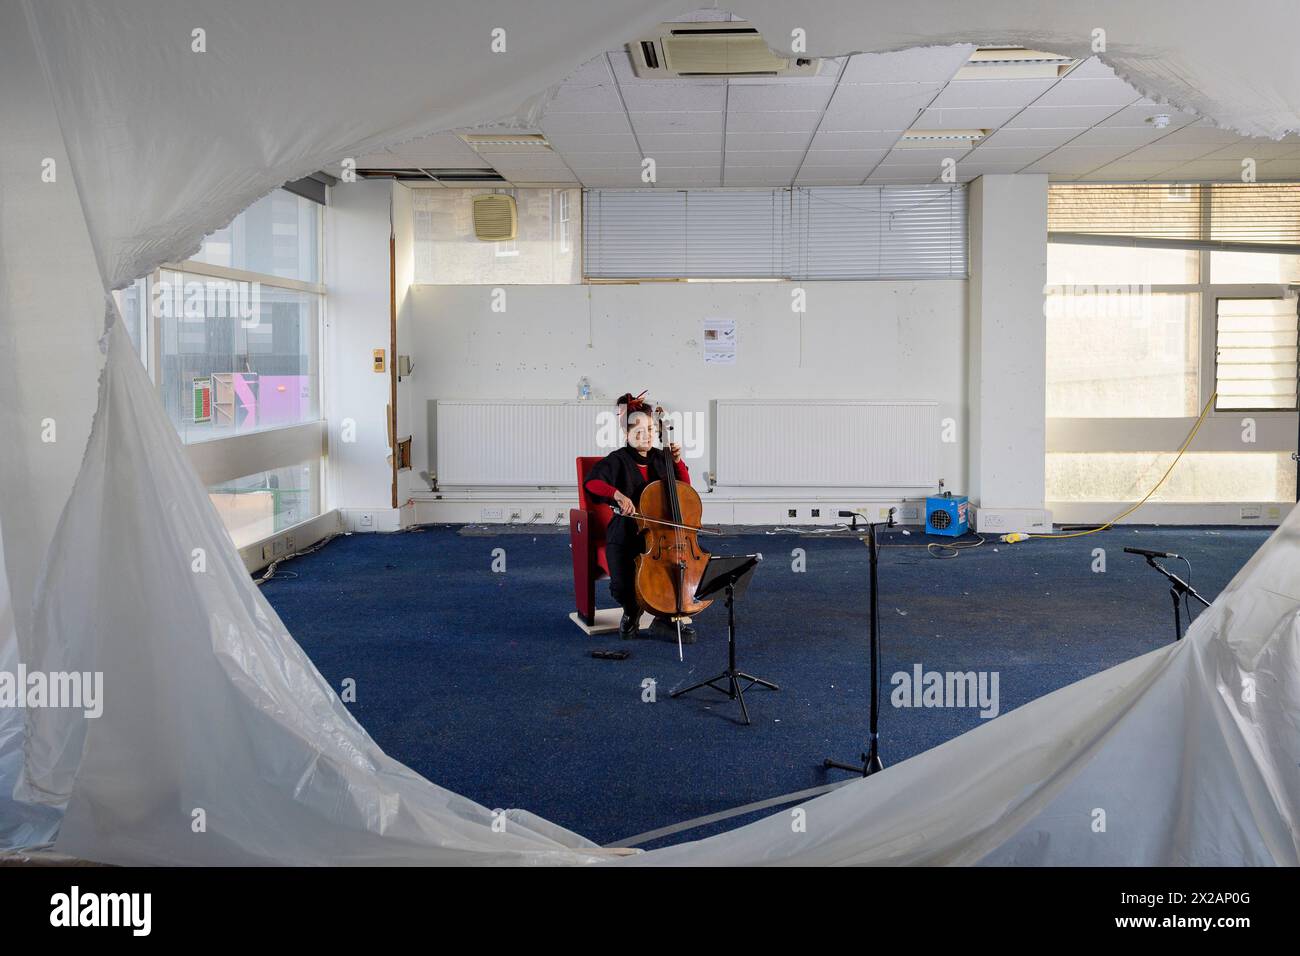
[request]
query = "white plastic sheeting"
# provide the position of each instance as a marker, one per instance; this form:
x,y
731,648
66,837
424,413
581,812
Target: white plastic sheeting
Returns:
x,y
1187,755
212,714
209,703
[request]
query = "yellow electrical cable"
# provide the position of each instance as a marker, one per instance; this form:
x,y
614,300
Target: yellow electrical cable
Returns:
x,y
1124,514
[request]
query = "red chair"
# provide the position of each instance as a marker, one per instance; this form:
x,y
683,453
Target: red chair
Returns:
x,y
587,525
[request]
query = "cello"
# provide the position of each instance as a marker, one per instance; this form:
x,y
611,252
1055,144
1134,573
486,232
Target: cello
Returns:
x,y
670,568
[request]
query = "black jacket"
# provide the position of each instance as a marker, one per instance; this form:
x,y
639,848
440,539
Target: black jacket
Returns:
x,y
619,468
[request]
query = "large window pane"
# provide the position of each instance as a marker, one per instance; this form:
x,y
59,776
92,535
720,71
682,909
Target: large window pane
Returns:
x,y
1199,476
1075,263
236,357
258,506
1260,268
278,235
1122,353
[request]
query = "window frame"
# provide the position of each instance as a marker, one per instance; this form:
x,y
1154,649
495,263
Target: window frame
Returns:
x,y
231,457
1275,428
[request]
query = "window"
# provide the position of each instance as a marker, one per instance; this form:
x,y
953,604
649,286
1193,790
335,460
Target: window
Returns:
x,y
1256,358
1125,353
258,506
1199,477
1159,296
279,235
252,347
447,251
861,232
232,337
566,235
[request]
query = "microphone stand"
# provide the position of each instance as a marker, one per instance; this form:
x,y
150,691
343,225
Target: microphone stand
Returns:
x,y
1177,588
871,759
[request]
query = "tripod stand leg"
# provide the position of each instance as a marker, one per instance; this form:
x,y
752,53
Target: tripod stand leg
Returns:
x,y
757,680
739,695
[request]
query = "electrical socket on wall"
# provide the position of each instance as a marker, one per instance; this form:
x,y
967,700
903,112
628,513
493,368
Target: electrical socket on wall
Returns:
x,y
1251,511
367,520
492,514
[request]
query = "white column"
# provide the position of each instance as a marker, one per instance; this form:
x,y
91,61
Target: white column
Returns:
x,y
1007,350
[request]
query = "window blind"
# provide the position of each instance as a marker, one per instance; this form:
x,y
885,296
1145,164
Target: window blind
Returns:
x,y
1256,354
863,232
1245,217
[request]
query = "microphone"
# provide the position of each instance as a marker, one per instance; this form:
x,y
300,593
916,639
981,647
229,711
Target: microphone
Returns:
x,y
848,514
1151,554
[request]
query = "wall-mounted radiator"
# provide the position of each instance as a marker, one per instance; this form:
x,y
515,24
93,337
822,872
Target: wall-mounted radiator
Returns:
x,y
827,444
490,443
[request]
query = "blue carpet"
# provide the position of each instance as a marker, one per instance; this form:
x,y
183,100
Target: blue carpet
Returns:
x,y
479,681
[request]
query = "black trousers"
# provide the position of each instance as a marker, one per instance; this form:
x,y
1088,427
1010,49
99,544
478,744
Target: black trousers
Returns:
x,y
621,556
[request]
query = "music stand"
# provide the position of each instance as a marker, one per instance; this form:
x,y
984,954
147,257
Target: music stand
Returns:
x,y
732,574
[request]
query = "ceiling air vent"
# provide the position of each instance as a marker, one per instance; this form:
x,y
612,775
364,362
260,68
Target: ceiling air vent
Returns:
x,y
711,49
495,218
1014,63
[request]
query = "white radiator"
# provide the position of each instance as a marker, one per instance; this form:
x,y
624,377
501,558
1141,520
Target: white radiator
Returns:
x,y
834,444
490,443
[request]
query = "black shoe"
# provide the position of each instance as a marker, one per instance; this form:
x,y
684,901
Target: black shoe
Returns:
x,y
665,630
627,626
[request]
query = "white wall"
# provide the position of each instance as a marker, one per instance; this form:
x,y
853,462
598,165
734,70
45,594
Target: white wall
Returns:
x,y
358,473
866,340
1008,341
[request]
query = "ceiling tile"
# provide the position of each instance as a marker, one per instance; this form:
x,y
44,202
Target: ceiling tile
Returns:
x,y
1197,133
824,177
584,99
444,150
769,157
782,121
1079,160
1024,155
1139,113
1170,152
857,171
861,139
652,123
1091,68
687,157
654,143
1255,149
1089,92
674,97
924,156
1133,136
1126,169
1047,138
1055,117
844,158
777,96
931,64
554,123
981,118
1279,169
767,140
903,174
593,142
987,94
878,106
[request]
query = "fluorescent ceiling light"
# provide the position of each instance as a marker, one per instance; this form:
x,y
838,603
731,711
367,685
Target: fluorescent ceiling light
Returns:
x,y
504,140
920,138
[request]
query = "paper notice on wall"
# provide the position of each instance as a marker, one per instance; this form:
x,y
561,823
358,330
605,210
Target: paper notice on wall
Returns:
x,y
719,341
